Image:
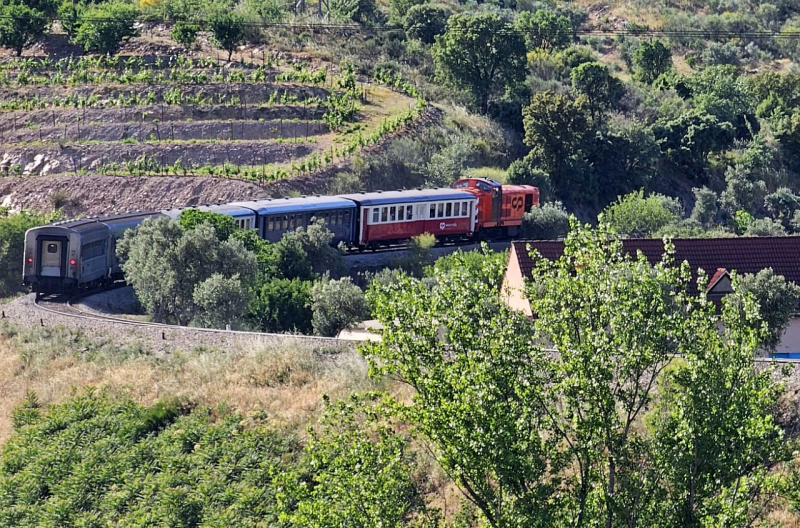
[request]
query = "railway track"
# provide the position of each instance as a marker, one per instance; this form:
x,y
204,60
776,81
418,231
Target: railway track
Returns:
x,y
67,307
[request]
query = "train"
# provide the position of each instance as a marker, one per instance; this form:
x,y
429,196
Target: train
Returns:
x,y
73,255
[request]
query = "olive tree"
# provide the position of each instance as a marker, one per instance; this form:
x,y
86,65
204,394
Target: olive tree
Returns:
x,y
481,54
776,298
336,305
167,266
545,30
651,59
102,27
228,30
638,215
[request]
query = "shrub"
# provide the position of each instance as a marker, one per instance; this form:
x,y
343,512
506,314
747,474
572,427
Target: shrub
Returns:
x,y
269,11
777,299
185,33
764,227
651,59
782,204
424,22
224,225
546,222
12,242
705,206
544,30
525,172
102,27
639,216
283,305
220,301
359,11
228,30
336,306
20,26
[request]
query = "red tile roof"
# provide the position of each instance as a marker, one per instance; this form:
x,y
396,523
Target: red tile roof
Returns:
x,y
743,254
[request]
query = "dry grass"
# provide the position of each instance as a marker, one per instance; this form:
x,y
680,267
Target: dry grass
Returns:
x,y
286,381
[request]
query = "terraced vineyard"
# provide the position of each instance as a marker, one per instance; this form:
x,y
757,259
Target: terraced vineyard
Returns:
x,y
261,120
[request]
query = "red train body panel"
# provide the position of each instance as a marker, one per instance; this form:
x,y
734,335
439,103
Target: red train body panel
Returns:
x,y
500,207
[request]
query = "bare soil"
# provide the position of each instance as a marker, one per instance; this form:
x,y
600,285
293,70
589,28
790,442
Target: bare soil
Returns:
x,y
94,195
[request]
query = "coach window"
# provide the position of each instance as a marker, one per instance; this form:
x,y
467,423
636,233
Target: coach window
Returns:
x,y
270,224
347,217
384,214
449,210
375,215
285,222
457,209
401,213
409,212
465,208
341,217
393,214
441,210
433,211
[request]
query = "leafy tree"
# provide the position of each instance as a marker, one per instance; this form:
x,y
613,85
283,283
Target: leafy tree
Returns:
x,y
21,26
601,89
534,438
102,27
776,298
525,172
336,305
357,471
224,225
283,305
418,255
166,265
12,244
782,204
689,138
269,11
639,216
651,59
546,222
185,33
623,157
481,54
307,252
359,11
478,262
742,190
425,22
764,227
544,30
228,30
398,9
705,206
557,128
220,300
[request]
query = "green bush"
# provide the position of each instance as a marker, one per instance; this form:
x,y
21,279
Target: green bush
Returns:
x,y
185,33
638,216
228,30
102,27
283,305
546,222
525,172
21,26
424,22
336,306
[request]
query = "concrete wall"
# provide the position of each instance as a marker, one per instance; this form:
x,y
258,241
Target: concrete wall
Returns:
x,y
791,339
513,289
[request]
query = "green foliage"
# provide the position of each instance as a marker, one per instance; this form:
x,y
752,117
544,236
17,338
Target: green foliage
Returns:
x,y
167,267
483,262
220,301
549,221
283,305
776,298
480,54
100,461
12,243
224,225
102,27
336,306
764,227
602,90
425,22
689,138
306,253
185,33
357,472
782,204
21,26
576,438
705,206
544,30
638,216
227,29
743,190
651,59
269,11
417,256
525,172
359,11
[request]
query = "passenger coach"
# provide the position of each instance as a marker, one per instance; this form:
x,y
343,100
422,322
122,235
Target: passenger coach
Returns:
x,y
395,216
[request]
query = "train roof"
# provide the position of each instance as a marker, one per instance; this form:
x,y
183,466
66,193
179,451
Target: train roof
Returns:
x,y
412,196
232,210
79,225
291,205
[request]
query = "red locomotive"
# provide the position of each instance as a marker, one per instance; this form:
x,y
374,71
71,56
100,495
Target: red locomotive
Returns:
x,y
500,207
